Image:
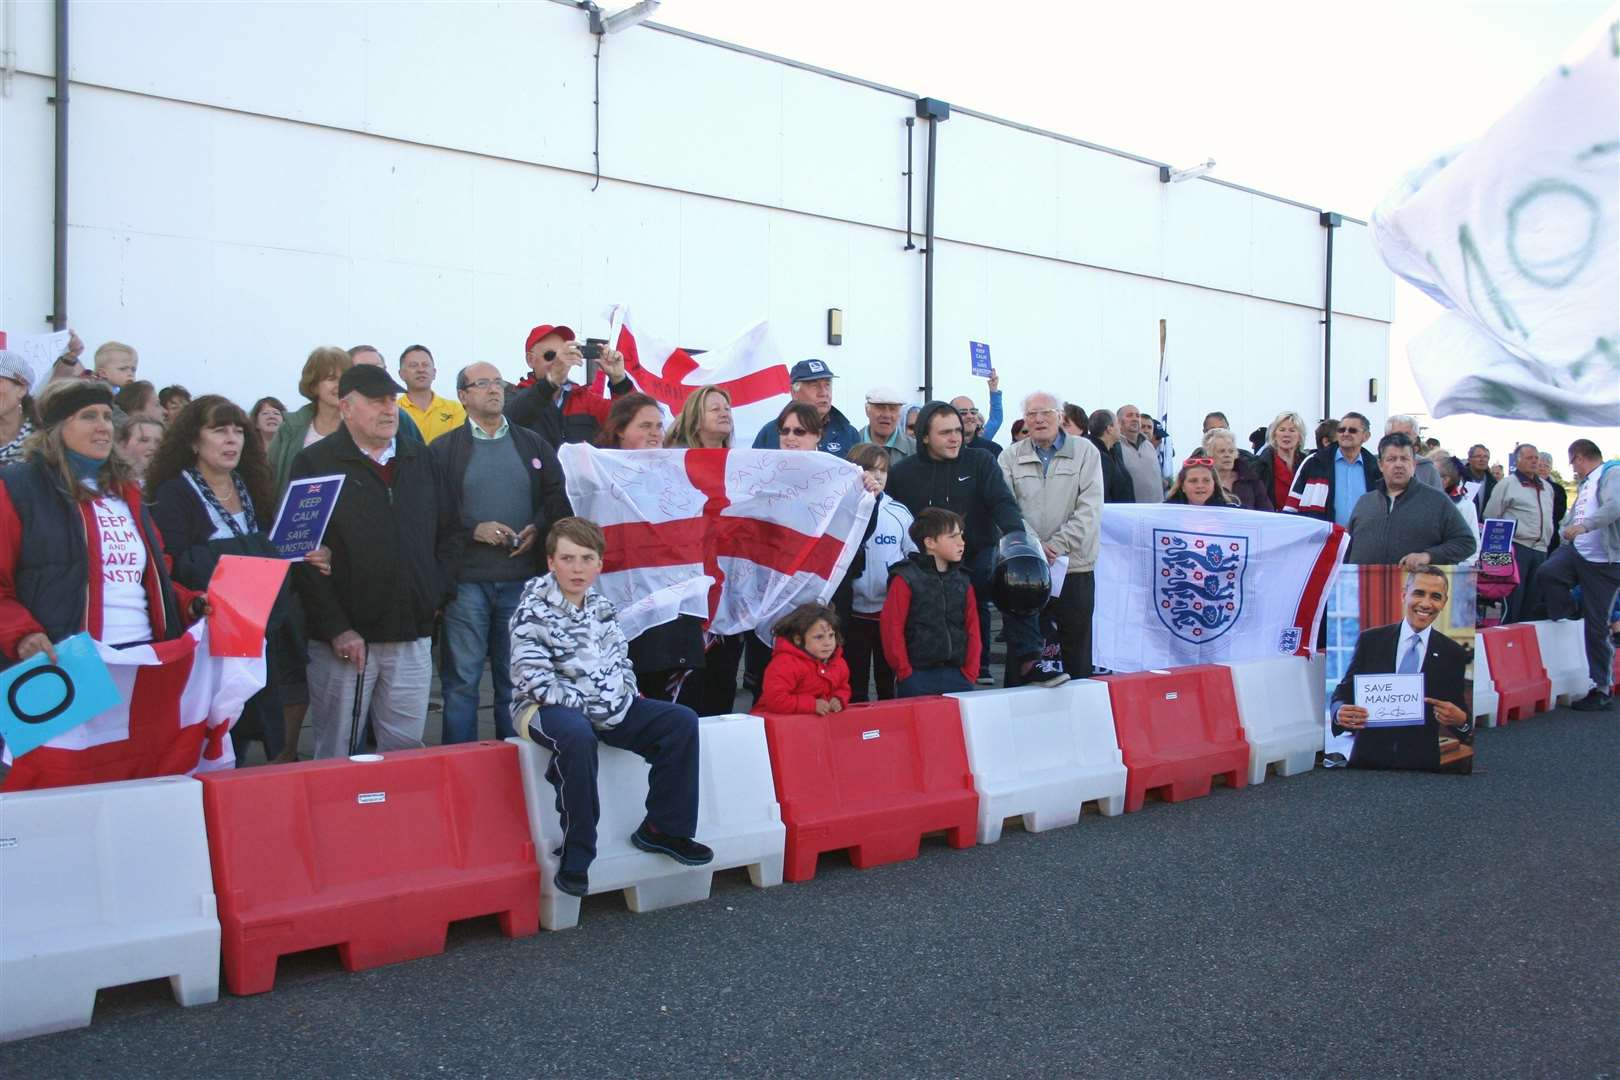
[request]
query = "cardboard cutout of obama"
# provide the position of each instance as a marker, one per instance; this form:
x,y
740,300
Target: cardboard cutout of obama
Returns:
x,y
1403,696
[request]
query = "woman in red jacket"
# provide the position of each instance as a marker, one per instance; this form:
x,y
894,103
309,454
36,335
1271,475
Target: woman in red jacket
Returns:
x,y
807,672
78,551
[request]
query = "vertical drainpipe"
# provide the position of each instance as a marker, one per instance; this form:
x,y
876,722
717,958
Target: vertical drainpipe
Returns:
x,y
933,110
60,195
1330,222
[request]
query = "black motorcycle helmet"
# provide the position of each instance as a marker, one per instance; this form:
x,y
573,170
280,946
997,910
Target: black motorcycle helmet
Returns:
x,y
1021,580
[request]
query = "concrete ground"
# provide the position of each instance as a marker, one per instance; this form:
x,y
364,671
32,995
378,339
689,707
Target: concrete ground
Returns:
x,y
1332,924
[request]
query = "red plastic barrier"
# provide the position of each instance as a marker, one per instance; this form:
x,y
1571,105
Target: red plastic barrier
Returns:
x,y
873,778
1177,730
377,857
1522,686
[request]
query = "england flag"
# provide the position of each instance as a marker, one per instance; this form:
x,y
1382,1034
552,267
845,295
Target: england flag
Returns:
x,y
1180,585
749,369
736,537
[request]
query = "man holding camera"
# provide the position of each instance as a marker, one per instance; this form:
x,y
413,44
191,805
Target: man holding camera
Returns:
x,y
547,402
504,488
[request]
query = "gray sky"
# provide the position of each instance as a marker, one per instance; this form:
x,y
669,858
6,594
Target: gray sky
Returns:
x,y
1325,103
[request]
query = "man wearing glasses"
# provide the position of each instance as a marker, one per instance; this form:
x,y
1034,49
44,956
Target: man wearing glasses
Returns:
x,y
1330,482
505,489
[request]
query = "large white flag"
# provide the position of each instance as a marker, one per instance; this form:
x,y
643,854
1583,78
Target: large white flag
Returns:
x,y
179,702
1516,234
1181,585
738,537
750,369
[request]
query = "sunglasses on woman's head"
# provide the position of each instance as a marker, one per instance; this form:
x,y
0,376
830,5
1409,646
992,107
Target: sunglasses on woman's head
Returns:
x,y
1198,461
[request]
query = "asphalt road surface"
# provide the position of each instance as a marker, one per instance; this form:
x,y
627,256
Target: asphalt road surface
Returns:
x,y
1333,924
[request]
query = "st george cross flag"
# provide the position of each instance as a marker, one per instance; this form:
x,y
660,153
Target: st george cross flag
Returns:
x,y
1181,585
768,529
750,369
179,703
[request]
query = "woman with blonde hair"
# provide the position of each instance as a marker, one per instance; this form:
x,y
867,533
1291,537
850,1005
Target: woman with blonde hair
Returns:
x,y
313,422
1284,450
704,422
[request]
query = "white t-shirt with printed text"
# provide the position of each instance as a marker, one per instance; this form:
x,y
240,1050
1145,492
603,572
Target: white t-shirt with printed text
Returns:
x,y
125,616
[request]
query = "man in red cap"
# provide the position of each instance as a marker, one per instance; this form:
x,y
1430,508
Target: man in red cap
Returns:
x,y
547,402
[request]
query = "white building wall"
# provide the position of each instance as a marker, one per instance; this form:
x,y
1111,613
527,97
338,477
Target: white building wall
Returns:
x,y
249,180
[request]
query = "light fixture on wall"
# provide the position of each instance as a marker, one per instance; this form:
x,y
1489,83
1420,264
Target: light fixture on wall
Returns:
x,y
835,326
1167,175
622,19
1372,389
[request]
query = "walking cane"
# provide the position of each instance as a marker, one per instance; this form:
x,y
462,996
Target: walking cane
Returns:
x,y
356,729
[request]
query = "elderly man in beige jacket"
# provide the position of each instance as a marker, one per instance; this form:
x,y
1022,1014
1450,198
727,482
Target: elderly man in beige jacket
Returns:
x,y
1525,499
1058,482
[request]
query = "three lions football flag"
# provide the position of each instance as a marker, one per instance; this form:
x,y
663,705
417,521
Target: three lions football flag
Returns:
x,y
1181,585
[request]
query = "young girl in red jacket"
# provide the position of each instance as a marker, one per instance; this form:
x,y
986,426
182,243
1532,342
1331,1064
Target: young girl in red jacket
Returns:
x,y
807,672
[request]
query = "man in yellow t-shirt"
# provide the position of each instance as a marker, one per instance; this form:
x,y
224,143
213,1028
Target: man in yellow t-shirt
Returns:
x,y
433,414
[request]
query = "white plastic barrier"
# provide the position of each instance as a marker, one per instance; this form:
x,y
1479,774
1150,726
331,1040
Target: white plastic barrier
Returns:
x,y
738,817
1042,754
1563,654
1281,702
1485,696
102,885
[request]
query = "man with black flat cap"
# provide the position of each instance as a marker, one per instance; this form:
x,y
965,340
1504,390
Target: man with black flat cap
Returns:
x,y
393,540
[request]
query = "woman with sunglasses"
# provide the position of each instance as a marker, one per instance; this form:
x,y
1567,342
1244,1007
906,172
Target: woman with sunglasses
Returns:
x,y
1197,484
798,427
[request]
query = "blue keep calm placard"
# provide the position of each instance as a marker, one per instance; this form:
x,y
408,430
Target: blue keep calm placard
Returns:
x,y
305,511
39,699
1496,536
981,358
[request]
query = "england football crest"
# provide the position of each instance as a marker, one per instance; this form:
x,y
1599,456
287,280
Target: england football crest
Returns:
x,y
1198,582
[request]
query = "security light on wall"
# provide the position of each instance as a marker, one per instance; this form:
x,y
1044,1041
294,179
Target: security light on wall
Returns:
x,y
835,326
1167,175
1372,389
623,19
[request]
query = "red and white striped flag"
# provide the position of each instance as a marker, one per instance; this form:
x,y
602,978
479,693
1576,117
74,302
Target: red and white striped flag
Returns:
x,y
769,529
179,703
750,369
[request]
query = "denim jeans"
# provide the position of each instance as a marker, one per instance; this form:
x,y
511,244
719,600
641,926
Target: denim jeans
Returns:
x,y
477,626
939,680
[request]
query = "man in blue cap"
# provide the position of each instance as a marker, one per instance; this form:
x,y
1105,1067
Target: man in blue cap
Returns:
x,y
812,385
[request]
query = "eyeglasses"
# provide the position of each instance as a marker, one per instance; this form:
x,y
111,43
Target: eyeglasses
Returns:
x,y
1198,461
793,431
1035,414
1349,431
480,384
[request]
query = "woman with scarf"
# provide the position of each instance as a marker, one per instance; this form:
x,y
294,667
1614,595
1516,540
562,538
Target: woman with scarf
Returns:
x,y
210,491
78,551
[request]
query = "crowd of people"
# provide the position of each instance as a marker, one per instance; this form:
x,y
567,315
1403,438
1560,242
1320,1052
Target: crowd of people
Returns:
x,y
454,546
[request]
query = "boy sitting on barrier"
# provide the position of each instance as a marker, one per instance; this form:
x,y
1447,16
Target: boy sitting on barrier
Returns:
x,y
807,674
571,664
930,625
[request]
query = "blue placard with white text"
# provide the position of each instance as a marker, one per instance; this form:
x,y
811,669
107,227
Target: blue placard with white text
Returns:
x,y
981,358
305,511
1496,536
40,699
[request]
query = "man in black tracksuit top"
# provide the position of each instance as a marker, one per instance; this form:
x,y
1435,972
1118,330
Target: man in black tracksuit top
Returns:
x,y
969,483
